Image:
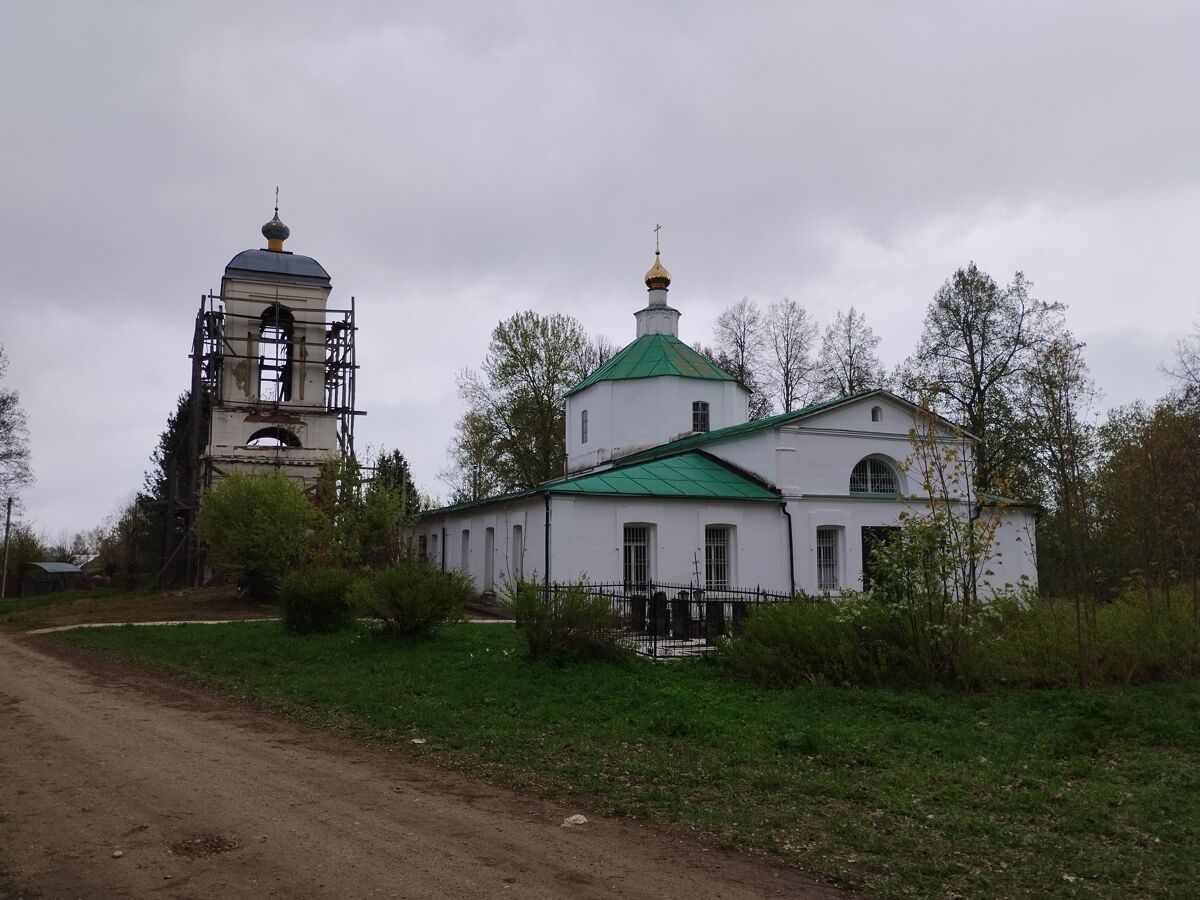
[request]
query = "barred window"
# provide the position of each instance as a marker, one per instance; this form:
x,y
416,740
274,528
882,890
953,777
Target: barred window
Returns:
x,y
583,427
637,556
716,556
827,559
873,476
518,552
700,415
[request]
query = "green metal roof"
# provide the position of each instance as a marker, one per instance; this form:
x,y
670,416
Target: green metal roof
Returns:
x,y
655,354
690,475
723,434
694,475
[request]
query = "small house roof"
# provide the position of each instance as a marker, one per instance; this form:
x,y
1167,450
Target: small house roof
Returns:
x,y
57,568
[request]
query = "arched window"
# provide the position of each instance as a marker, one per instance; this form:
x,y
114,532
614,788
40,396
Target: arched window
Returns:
x,y
273,437
275,354
873,476
876,413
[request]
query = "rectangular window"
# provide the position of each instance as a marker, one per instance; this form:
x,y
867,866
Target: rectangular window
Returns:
x,y
464,558
827,559
637,556
583,427
716,557
433,549
700,416
422,548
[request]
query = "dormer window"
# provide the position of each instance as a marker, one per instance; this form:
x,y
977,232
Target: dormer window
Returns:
x,y
583,427
700,415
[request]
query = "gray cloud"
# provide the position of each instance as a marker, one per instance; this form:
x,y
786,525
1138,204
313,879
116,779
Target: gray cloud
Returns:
x,y
450,164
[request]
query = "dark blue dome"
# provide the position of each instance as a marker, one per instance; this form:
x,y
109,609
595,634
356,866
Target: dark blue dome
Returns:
x,y
276,230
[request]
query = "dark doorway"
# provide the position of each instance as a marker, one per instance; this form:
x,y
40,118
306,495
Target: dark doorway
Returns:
x,y
874,537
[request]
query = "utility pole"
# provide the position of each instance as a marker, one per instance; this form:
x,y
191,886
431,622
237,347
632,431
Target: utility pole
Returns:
x,y
4,571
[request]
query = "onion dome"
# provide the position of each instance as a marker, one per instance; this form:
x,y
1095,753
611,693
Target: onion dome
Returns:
x,y
658,278
276,232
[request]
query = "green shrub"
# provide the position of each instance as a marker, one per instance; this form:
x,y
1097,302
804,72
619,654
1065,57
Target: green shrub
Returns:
x,y
569,622
853,640
317,600
257,528
412,598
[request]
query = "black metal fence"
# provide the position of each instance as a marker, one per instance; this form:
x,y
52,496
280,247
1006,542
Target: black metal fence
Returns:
x,y
663,620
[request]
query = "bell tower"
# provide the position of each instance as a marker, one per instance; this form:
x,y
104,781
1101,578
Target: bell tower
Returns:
x,y
276,364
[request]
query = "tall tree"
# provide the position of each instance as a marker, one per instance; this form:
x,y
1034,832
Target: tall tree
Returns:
x,y
758,404
978,341
848,362
14,440
1187,364
513,434
739,347
740,335
791,340
1059,394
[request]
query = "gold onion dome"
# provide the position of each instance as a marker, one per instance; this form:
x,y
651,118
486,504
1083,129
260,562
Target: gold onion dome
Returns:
x,y
658,278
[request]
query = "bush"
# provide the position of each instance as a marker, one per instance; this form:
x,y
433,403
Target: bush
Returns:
x,y
854,640
317,600
412,598
257,528
568,622
1023,640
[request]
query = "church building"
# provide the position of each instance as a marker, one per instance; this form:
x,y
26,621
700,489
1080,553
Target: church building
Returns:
x,y
670,482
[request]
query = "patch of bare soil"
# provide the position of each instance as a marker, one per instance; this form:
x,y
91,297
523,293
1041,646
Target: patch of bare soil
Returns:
x,y
118,783
190,605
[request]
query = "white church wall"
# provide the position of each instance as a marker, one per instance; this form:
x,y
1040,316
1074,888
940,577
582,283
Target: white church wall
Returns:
x,y
632,414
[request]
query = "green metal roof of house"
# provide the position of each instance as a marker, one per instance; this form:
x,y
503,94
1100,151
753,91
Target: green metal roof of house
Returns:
x,y
655,354
689,475
694,475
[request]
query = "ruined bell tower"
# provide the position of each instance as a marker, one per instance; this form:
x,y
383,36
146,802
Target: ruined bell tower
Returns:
x,y
276,365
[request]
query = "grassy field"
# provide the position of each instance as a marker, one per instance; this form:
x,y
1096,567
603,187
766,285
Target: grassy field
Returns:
x,y
1066,793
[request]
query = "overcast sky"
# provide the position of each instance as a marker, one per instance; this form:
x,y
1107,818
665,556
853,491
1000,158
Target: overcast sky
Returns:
x,y
450,164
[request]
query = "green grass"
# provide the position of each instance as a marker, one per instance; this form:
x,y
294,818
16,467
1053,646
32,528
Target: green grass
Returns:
x,y
1070,793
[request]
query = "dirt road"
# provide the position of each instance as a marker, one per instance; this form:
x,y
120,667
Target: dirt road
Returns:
x,y
116,784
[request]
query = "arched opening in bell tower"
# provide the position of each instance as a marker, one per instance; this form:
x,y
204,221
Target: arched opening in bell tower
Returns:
x,y
275,354
273,437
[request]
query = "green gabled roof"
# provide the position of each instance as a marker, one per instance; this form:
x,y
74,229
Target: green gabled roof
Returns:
x,y
723,434
655,354
689,475
695,475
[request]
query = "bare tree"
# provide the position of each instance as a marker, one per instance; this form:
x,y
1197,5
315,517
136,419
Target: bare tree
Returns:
x,y
791,339
849,362
14,440
1187,363
740,336
599,350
